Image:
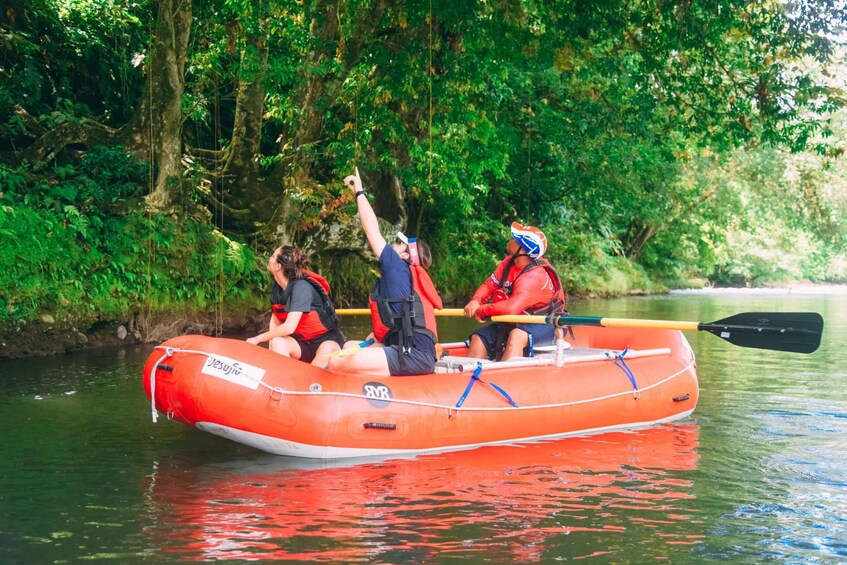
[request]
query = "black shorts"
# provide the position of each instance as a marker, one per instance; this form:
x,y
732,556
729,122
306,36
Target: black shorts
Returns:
x,y
415,362
309,347
542,334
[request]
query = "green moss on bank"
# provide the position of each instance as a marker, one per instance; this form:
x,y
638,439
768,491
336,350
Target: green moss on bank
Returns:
x,y
76,251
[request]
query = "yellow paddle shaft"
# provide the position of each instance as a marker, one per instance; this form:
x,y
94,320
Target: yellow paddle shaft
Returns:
x,y
577,321
352,311
658,324
366,312
603,322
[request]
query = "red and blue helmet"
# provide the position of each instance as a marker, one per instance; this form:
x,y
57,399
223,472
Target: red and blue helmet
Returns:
x,y
531,239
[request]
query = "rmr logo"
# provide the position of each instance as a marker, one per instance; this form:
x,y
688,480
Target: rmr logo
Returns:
x,y
378,394
377,391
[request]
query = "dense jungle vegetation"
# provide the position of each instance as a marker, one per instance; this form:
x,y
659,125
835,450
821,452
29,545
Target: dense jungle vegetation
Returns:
x,y
152,153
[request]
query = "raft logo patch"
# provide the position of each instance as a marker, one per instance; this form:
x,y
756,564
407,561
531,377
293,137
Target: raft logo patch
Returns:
x,y
378,394
233,371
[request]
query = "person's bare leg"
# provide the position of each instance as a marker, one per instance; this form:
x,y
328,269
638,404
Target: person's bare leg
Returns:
x,y
515,344
286,346
476,348
324,349
369,361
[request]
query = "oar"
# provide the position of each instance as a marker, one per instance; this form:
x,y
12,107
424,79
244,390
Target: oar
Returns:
x,y
449,312
351,350
454,312
798,332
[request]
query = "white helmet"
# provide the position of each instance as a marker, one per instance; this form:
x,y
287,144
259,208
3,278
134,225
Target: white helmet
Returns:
x,y
531,239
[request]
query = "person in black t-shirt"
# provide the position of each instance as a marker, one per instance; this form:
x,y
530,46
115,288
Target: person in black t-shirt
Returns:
x,y
303,323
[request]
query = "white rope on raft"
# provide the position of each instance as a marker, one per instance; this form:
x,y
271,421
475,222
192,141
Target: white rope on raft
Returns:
x,y
154,414
450,408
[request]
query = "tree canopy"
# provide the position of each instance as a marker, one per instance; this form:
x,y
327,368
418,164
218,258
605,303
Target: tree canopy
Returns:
x,y
649,139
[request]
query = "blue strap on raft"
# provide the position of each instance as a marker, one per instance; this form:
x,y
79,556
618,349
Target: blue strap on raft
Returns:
x,y
474,378
619,362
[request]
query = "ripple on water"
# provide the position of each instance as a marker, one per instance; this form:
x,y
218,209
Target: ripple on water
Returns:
x,y
757,476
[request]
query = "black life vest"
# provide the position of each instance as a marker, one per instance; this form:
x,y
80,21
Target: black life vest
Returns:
x,y
315,322
417,314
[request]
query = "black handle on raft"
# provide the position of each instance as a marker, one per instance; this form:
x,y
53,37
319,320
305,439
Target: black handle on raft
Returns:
x,y
380,426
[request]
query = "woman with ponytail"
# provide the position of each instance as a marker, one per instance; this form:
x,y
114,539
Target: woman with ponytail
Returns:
x,y
303,322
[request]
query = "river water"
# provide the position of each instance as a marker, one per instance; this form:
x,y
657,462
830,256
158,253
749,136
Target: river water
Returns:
x,y
758,472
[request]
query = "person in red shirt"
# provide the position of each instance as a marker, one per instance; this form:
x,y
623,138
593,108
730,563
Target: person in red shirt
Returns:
x,y
523,283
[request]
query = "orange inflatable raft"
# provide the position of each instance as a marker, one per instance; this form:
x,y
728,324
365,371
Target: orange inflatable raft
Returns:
x,y
606,379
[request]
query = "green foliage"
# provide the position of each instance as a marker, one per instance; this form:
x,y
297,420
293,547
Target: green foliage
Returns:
x,y
105,178
349,275
71,250
552,118
779,218
65,59
458,269
640,136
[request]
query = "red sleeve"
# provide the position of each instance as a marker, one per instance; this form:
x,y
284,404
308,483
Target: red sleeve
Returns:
x,y
530,289
484,291
491,284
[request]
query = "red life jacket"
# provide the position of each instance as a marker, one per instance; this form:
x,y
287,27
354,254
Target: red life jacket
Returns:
x,y
417,315
312,323
557,304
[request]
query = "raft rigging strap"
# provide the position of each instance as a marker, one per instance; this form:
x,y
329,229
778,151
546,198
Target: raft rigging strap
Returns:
x,y
474,378
618,360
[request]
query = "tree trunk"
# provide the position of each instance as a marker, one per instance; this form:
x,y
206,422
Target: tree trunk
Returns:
x,y
639,236
240,173
318,92
44,149
241,169
155,130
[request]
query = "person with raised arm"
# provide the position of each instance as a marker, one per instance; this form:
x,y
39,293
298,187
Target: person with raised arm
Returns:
x,y
402,303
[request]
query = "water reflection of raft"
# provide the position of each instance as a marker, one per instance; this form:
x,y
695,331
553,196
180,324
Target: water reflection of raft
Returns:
x,y
610,379
529,500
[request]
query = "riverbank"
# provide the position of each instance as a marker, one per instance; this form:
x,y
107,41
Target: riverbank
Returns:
x,y
46,336
799,289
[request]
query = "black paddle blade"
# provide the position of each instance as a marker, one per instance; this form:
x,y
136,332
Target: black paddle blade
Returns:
x,y
797,332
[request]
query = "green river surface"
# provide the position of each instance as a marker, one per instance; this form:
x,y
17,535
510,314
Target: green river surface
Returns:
x,y
756,474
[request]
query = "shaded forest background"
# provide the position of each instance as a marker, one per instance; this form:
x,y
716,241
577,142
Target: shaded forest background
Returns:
x,y
153,153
